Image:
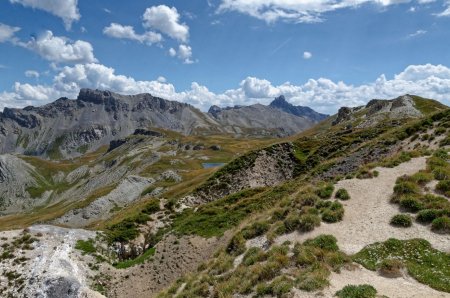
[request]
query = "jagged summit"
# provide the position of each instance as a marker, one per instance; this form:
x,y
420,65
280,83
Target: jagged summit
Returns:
x,y
281,104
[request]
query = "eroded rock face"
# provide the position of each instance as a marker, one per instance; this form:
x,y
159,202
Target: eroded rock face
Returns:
x,y
267,167
377,109
344,114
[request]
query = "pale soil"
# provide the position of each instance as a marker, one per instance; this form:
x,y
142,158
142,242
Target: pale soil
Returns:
x,y
368,212
174,257
402,287
52,265
366,220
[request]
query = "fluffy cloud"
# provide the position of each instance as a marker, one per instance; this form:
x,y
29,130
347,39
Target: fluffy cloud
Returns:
x,y
308,11
322,94
127,32
7,32
160,18
67,10
184,53
32,74
307,55
60,49
167,21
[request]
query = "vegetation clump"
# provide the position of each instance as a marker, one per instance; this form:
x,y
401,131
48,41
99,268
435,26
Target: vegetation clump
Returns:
x,y
426,264
325,191
86,246
342,194
401,220
357,291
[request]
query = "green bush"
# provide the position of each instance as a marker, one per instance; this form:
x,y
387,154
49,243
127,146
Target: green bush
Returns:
x,y
428,215
325,191
333,213
406,187
422,177
292,222
87,247
441,225
278,287
360,291
308,222
325,242
441,173
342,194
401,220
254,230
151,207
253,255
411,204
443,186
236,246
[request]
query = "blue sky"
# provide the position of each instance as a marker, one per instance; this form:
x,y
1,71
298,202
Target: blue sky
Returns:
x,y
320,53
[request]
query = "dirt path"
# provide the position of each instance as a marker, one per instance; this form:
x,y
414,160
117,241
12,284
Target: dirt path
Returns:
x,y
389,287
368,212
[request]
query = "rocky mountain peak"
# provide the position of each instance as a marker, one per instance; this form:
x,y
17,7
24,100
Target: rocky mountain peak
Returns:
x,y
94,96
281,103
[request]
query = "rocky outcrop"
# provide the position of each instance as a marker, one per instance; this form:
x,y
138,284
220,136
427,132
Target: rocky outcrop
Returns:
x,y
266,167
378,109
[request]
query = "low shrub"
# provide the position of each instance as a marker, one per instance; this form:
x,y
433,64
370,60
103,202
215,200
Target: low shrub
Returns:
x,y
444,187
360,291
422,177
428,215
86,246
411,204
441,173
441,225
151,207
253,255
254,230
325,242
342,194
236,246
406,187
308,222
325,191
401,220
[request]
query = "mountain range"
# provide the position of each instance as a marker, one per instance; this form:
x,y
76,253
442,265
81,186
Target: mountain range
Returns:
x,y
68,128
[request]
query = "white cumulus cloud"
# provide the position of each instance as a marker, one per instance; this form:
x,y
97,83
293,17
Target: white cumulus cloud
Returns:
x,y
322,94
67,10
307,11
127,32
166,20
32,74
307,55
60,49
7,32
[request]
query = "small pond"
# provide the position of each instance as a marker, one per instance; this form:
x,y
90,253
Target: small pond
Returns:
x,y
208,165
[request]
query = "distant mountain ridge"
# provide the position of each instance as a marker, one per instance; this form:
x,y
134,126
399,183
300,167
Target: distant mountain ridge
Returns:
x,y
70,127
301,111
